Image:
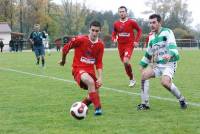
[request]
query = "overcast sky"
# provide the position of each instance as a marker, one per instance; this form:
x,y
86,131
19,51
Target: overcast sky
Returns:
x,y
137,6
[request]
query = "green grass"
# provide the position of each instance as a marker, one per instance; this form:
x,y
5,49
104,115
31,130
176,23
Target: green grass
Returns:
x,y
31,104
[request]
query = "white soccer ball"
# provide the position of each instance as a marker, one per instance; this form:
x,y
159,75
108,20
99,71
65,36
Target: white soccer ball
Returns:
x,y
79,110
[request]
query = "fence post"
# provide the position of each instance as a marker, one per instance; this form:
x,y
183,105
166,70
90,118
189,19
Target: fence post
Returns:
x,y
198,42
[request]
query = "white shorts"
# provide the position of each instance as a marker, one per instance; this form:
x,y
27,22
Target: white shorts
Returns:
x,y
165,69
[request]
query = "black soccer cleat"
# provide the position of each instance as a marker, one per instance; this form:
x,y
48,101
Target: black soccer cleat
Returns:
x,y
143,107
183,104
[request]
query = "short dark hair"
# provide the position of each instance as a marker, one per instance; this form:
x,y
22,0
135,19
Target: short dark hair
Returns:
x,y
96,24
123,7
155,16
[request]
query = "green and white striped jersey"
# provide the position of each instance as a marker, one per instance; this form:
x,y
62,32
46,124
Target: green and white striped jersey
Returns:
x,y
160,44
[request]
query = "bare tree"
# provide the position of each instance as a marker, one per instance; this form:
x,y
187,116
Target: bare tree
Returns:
x,y
173,12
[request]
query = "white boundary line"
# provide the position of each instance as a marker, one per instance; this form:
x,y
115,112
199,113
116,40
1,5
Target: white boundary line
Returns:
x,y
106,88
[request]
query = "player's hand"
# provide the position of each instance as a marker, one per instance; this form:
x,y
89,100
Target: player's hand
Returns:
x,y
166,57
61,63
136,44
115,40
99,82
114,44
31,41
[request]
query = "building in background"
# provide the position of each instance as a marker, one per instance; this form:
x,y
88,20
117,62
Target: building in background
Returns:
x,y
5,34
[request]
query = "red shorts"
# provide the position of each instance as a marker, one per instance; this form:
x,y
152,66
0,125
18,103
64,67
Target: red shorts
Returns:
x,y
77,77
125,50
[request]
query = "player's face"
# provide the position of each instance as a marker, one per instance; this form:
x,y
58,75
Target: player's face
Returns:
x,y
122,13
37,29
154,25
94,32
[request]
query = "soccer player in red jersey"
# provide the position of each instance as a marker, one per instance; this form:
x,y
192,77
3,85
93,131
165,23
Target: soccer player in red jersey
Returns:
x,y
88,55
123,34
147,40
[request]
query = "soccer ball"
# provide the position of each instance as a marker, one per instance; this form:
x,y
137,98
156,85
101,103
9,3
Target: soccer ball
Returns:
x,y
79,110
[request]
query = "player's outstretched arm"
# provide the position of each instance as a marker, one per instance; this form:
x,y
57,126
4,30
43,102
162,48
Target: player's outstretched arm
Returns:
x,y
99,78
63,60
136,44
65,51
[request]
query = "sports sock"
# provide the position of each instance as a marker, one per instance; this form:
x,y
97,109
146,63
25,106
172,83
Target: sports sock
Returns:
x,y
38,60
145,91
128,69
174,90
87,101
43,62
94,97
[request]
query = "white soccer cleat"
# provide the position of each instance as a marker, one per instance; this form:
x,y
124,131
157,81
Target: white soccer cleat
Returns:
x,y
132,83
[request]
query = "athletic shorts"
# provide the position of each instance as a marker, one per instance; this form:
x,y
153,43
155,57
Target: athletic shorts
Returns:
x,y
168,69
39,50
125,50
77,77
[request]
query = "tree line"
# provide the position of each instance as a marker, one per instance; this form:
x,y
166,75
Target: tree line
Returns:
x,y
71,18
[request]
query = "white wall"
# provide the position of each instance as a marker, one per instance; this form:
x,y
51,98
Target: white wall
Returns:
x,y
6,39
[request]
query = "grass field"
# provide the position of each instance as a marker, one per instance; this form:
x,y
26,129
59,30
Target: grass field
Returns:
x,y
37,101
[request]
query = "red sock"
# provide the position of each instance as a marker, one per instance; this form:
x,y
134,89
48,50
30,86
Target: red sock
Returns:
x,y
87,101
129,71
94,97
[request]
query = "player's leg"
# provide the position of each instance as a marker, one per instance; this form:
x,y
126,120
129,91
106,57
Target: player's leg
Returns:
x,y
146,75
166,81
37,55
77,77
128,69
87,100
92,91
42,53
43,60
125,55
125,61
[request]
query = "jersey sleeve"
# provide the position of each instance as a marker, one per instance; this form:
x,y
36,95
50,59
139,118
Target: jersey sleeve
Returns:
x,y
172,47
146,58
43,35
31,36
99,60
138,29
75,42
114,32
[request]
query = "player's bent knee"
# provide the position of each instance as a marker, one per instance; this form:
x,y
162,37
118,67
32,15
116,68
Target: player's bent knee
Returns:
x,y
126,61
91,82
144,76
165,83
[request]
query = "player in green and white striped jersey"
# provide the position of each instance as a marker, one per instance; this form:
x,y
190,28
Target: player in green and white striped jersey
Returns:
x,y
163,54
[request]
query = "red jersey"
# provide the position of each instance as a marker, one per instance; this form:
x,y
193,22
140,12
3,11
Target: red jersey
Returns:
x,y
147,39
124,31
87,54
